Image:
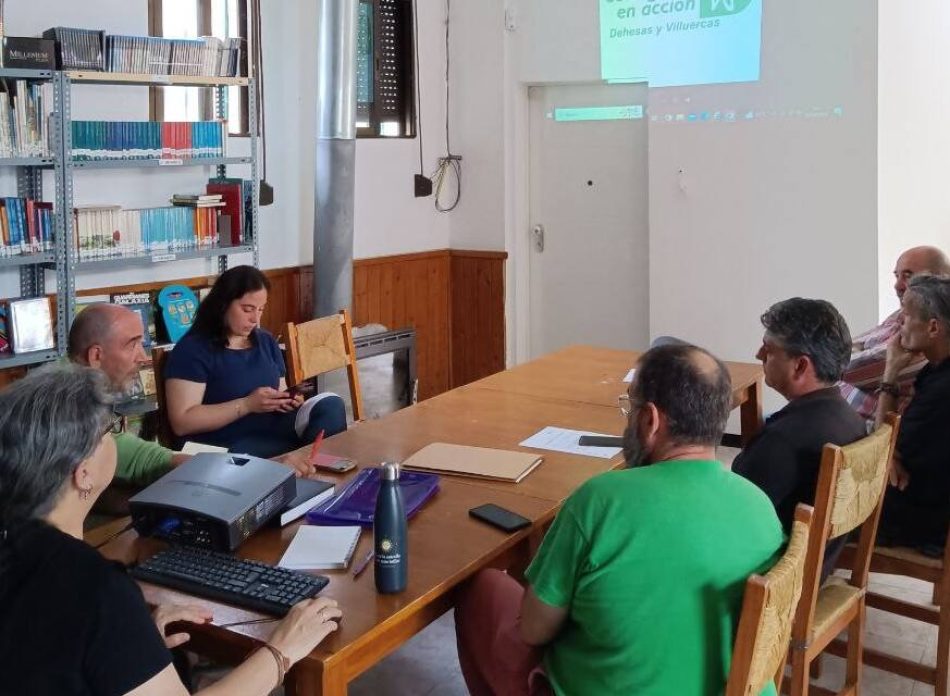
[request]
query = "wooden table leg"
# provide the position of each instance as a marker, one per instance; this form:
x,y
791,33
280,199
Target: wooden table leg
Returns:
x,y
310,678
750,412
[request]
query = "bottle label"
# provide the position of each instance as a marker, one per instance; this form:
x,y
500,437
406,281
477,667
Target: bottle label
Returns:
x,y
388,554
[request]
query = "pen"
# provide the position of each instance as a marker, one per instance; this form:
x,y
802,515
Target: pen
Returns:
x,y
361,566
315,449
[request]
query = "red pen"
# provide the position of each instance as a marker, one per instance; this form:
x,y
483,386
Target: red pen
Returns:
x,y
315,449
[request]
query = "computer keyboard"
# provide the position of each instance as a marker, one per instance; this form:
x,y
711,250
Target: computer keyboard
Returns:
x,y
214,575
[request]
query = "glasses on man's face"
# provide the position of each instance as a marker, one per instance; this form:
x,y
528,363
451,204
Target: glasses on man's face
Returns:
x,y
625,405
115,426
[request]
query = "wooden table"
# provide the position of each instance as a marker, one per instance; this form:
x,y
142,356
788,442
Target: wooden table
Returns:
x,y
575,388
595,376
446,547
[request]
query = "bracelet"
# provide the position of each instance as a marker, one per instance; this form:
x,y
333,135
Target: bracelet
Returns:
x,y
283,662
891,388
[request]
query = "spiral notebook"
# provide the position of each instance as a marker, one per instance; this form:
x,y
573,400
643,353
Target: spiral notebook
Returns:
x,y
321,548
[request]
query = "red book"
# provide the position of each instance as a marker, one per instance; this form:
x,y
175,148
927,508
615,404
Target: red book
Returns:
x,y
232,196
31,226
167,140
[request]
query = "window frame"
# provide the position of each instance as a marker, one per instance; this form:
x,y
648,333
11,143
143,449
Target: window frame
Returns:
x,y
406,60
156,105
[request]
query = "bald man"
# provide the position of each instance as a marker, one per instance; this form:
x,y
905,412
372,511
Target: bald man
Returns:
x,y
109,338
862,377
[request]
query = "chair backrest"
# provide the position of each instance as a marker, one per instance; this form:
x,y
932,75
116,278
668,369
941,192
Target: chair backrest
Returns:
x,y
165,435
849,494
768,610
322,345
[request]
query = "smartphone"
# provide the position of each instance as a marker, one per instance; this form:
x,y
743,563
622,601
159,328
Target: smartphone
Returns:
x,y
337,465
505,520
304,389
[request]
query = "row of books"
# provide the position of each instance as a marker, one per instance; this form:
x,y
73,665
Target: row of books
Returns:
x,y
26,325
26,226
104,232
208,56
93,49
24,119
137,140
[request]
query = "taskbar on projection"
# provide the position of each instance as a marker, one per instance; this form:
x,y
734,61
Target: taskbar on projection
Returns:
x,y
734,115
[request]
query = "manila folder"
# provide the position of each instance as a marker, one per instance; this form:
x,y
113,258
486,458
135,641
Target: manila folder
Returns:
x,y
502,465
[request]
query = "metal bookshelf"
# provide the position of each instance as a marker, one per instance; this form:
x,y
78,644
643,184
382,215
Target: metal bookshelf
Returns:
x,y
164,257
68,167
32,267
159,163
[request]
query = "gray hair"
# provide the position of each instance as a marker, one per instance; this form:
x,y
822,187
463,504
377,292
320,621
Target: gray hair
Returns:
x,y
931,297
813,328
50,421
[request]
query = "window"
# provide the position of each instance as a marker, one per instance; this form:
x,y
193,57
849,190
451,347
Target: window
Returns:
x,y
385,75
185,19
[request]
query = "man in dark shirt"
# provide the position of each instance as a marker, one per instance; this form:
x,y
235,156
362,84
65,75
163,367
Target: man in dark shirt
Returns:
x,y
804,352
917,504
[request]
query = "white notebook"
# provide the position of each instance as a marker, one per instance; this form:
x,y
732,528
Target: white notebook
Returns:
x,y
321,548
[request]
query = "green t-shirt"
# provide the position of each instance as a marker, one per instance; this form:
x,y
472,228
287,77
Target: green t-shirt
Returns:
x,y
138,461
651,564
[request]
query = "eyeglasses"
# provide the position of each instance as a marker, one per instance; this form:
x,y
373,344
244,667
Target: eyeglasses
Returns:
x,y
115,426
625,405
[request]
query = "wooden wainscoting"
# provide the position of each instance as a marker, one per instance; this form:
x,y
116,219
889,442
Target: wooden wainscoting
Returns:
x,y
478,315
455,300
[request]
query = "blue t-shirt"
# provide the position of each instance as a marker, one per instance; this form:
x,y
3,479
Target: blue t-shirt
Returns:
x,y
227,375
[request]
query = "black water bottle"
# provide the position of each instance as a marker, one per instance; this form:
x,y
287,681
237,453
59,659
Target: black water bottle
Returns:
x,y
389,533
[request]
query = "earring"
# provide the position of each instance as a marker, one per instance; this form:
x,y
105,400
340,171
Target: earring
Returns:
x,y
85,492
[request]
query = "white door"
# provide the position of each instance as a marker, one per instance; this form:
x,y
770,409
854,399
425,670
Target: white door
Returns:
x,y
589,255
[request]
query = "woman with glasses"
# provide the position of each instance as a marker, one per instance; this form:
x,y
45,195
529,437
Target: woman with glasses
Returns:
x,y
72,622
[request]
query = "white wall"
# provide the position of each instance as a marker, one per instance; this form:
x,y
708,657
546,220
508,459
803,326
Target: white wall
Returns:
x,y
772,209
477,69
913,138
388,218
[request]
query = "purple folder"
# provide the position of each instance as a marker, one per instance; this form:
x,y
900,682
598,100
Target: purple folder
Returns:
x,y
356,504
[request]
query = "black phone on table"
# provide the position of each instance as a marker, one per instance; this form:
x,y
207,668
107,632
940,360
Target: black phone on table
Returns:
x,y
496,516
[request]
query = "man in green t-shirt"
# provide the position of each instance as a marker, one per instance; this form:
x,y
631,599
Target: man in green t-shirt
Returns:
x,y
109,338
638,584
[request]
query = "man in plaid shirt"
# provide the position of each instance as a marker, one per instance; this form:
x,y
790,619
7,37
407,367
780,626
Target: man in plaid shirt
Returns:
x,y
863,374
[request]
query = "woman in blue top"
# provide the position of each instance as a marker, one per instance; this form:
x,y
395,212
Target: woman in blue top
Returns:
x,y
224,379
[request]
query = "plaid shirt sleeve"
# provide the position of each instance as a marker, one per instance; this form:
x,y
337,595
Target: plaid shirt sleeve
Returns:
x,y
863,375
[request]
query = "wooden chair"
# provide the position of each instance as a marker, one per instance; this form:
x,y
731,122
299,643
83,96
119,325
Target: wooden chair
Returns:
x,y
165,434
848,496
768,609
322,345
913,564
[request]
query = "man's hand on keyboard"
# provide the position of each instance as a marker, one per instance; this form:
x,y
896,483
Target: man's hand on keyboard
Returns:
x,y
170,613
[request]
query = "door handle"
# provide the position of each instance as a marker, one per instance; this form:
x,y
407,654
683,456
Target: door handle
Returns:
x,y
538,233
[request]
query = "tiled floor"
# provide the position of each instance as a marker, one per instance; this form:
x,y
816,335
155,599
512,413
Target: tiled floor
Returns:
x,y
428,664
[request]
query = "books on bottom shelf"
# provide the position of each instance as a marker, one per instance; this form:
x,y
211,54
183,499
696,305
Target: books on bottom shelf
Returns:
x,y
26,325
141,304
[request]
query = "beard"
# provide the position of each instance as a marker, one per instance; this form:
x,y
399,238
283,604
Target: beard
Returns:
x,y
634,452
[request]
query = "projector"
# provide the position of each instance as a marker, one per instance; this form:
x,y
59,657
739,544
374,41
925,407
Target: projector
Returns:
x,y
213,501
